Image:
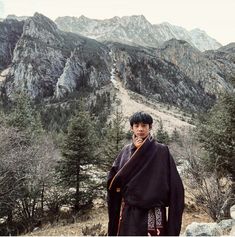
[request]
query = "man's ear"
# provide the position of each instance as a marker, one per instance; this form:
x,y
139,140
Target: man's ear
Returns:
x,y
150,126
131,128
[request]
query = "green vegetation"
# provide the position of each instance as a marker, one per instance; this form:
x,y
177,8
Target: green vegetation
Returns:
x,y
113,139
216,132
77,155
40,173
162,135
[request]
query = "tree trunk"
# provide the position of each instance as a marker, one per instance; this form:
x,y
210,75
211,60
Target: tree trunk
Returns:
x,y
77,196
42,198
10,222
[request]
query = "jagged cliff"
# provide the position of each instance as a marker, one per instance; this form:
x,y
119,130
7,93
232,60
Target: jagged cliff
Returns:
x,y
197,66
43,56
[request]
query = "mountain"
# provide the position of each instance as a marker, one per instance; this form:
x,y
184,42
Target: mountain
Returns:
x,y
176,73
135,30
19,18
48,63
197,66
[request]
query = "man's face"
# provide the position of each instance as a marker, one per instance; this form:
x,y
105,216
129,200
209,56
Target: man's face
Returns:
x,y
141,130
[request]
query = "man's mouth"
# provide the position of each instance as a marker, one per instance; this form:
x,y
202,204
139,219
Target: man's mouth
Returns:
x,y
140,134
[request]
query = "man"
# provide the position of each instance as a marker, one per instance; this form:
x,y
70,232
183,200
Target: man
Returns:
x,y
142,182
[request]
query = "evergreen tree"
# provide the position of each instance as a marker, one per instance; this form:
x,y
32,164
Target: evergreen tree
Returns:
x,y
216,132
114,139
175,137
24,116
78,153
162,135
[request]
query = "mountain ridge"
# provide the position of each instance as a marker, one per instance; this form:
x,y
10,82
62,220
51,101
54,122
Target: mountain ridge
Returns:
x,y
49,63
135,29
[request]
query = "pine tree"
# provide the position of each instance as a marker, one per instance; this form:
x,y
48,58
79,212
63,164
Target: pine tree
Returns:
x,y
78,153
114,139
175,137
216,132
24,116
162,135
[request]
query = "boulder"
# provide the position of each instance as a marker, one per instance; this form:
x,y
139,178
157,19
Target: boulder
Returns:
x,y
232,232
203,229
226,225
232,212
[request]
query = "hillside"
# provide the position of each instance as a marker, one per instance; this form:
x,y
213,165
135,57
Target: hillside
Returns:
x,y
131,102
48,63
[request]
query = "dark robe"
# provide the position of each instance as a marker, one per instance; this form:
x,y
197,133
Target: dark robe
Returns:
x,y
144,178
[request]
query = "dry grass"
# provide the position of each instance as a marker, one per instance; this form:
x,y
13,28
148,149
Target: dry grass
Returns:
x,y
92,217
99,215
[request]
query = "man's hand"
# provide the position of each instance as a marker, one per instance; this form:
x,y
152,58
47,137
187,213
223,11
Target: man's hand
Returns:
x,y
137,141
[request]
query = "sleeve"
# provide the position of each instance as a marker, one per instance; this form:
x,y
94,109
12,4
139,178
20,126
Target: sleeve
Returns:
x,y
114,202
176,200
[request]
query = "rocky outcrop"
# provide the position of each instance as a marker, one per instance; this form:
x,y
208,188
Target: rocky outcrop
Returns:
x,y
41,54
18,18
209,74
224,59
224,227
203,229
147,73
86,67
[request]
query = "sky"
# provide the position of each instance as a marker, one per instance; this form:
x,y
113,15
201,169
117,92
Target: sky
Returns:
x,y
216,17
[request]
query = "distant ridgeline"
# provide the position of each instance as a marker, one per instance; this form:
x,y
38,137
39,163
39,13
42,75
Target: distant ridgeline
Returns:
x,y
38,57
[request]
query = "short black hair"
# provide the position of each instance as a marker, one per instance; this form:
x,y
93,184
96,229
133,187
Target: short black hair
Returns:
x,y
141,117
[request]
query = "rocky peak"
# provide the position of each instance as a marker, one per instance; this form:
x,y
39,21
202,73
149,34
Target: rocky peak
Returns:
x,y
42,28
136,20
166,31
114,19
83,19
43,20
40,21
203,41
135,30
18,18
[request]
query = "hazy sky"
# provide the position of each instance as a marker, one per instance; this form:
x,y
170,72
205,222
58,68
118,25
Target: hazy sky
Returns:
x,y
216,17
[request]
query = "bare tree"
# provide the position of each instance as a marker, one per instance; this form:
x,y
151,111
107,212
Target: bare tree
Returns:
x,y
26,170
212,192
